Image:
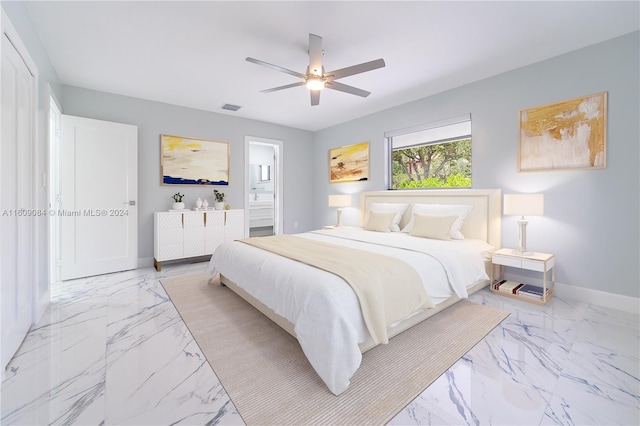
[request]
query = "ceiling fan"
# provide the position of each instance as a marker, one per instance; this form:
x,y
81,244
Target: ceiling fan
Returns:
x,y
316,79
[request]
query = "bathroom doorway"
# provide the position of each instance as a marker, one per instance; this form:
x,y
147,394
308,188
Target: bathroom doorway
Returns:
x,y
263,174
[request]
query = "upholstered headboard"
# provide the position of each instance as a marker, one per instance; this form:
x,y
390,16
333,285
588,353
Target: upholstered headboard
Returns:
x,y
483,222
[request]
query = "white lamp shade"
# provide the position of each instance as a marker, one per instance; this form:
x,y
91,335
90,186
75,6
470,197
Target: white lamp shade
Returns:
x,y
523,204
339,200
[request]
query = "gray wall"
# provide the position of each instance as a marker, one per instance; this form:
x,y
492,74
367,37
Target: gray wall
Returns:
x,y
591,216
155,118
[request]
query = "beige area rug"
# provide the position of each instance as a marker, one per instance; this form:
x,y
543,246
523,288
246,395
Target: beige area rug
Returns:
x,y
270,381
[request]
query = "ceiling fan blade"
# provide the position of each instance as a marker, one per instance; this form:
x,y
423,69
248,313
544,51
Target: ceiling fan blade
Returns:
x,y
315,54
275,67
346,88
315,97
288,86
356,69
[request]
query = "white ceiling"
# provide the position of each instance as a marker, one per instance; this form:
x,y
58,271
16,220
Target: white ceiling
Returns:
x,y
193,53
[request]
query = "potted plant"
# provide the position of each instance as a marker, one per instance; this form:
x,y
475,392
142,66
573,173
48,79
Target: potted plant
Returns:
x,y
219,197
177,201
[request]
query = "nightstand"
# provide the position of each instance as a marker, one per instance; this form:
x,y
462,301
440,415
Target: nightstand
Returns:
x,y
541,262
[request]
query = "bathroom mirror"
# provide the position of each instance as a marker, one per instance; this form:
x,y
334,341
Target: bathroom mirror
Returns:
x,y
265,173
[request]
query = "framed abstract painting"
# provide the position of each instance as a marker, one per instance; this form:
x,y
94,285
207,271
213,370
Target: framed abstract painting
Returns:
x,y
349,163
564,135
188,161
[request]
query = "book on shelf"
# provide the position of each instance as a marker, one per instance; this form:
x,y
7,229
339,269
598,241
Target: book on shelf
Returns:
x,y
531,290
506,286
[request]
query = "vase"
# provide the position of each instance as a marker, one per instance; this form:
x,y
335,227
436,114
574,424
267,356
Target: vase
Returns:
x,y
199,202
205,203
178,206
218,205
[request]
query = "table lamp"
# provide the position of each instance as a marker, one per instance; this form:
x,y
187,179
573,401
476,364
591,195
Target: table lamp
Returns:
x,y
523,205
339,201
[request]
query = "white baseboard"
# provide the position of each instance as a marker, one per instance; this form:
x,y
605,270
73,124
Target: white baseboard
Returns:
x,y
145,262
587,295
598,297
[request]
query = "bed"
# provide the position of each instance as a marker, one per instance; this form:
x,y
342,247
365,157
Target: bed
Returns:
x,y
322,310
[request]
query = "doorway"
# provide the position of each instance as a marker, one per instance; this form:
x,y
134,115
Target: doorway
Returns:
x,y
263,190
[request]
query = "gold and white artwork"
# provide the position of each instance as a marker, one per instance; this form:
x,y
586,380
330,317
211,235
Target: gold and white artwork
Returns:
x,y
564,135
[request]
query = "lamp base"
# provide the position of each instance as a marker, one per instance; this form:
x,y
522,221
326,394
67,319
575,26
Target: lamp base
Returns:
x,y
339,217
522,239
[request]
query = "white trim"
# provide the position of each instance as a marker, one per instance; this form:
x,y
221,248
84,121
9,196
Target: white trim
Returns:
x,y
145,262
279,176
53,171
427,126
587,295
598,297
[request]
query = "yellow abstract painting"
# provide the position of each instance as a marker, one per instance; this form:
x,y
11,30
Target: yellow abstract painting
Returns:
x,y
188,161
349,163
564,135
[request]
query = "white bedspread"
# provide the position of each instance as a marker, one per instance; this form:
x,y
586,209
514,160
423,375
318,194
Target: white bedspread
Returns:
x,y
324,309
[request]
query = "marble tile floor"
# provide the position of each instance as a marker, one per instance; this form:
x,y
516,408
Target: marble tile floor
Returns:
x,y
112,350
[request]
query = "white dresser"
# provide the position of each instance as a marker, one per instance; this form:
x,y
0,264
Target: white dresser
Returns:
x,y
180,235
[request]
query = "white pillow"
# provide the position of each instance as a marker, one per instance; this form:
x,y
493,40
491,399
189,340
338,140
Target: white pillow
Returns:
x,y
430,226
399,208
380,221
459,210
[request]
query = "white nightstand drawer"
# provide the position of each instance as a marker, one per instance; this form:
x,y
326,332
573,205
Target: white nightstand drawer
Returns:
x,y
532,265
507,261
524,263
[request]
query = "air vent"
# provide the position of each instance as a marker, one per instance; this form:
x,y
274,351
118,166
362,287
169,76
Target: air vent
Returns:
x,y
230,107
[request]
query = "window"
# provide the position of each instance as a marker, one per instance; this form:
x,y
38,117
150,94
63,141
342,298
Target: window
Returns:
x,y
435,155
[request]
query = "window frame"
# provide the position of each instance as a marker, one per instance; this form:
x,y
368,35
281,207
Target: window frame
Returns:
x,y
388,137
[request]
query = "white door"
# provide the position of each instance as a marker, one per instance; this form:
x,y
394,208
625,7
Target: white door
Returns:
x,y
16,200
98,215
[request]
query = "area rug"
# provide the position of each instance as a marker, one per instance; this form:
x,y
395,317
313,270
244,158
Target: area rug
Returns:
x,y
270,382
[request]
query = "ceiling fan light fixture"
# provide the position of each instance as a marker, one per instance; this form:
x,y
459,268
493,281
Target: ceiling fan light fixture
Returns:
x,y
315,83
315,77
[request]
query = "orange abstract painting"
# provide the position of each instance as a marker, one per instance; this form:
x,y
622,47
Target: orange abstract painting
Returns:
x,y
349,163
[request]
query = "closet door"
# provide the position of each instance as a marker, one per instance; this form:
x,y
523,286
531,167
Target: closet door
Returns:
x,y
17,246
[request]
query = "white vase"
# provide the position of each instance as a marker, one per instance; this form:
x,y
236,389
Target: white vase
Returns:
x,y
199,202
218,205
178,206
205,203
